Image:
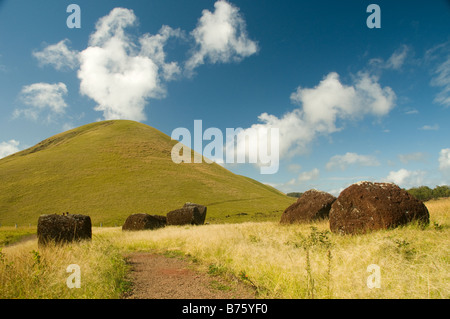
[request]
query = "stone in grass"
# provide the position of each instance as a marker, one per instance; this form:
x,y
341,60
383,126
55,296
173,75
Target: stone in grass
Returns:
x,y
367,206
200,220
312,205
63,228
189,214
144,222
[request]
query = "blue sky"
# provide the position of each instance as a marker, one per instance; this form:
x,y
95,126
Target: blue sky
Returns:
x,y
351,103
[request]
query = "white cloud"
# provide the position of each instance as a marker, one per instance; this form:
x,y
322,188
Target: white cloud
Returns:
x,y
442,79
412,157
112,26
331,99
152,46
121,72
397,58
414,178
444,160
294,133
58,55
42,97
439,59
322,107
434,127
8,148
395,61
310,175
342,161
405,178
220,36
118,76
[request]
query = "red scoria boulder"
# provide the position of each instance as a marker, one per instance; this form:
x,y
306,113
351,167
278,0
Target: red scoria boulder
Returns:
x,y
189,214
312,205
367,206
144,222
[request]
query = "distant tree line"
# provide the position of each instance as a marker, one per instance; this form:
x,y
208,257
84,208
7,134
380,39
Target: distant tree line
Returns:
x,y
294,194
425,193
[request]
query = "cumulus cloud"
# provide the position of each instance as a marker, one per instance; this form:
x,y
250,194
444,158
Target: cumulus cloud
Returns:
x,y
405,178
220,36
294,133
330,100
8,148
322,107
118,75
308,176
343,161
112,74
58,55
121,71
444,160
152,46
414,178
42,97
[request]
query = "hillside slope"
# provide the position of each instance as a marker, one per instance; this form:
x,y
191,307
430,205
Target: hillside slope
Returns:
x,y
112,169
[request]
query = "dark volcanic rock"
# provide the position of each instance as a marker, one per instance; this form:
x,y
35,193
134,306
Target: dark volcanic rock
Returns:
x,y
199,219
367,206
312,205
63,228
144,221
189,214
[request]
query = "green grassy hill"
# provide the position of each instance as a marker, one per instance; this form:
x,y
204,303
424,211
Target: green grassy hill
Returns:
x,y
109,170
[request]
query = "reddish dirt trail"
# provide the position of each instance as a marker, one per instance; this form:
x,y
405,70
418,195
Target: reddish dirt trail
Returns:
x,y
159,277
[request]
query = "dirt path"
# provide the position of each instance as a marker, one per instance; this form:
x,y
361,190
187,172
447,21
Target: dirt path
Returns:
x,y
159,277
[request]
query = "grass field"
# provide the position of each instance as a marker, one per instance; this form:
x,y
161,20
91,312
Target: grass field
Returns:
x,y
279,261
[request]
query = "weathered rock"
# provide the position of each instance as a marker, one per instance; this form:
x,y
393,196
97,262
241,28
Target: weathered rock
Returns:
x,y
144,222
367,206
189,214
63,228
312,205
199,220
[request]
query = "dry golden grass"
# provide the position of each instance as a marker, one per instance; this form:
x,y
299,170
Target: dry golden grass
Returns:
x,y
414,262
28,271
295,261
439,210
